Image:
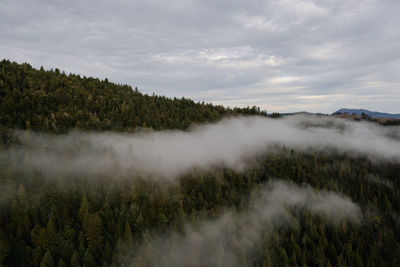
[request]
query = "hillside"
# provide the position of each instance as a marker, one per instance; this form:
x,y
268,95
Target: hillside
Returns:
x,y
372,114
79,186
54,101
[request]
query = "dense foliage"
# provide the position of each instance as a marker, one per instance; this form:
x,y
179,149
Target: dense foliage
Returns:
x,y
54,101
97,221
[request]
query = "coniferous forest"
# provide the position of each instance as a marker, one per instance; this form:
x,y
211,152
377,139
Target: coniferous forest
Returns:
x,y
51,218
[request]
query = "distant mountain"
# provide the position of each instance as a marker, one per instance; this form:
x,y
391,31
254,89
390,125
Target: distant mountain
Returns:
x,y
301,113
373,114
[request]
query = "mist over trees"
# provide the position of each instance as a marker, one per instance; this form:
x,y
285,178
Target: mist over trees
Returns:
x,y
291,206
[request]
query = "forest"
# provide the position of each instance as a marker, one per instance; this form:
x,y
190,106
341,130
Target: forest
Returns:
x,y
189,184
53,101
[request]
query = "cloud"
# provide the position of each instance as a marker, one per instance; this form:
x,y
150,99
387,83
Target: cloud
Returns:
x,y
187,48
243,57
286,79
223,240
168,154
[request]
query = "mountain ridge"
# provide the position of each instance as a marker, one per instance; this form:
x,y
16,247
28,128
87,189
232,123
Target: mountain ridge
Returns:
x,y
373,114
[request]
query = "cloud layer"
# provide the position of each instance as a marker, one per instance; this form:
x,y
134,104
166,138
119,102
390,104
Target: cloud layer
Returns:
x,y
167,154
221,242
283,55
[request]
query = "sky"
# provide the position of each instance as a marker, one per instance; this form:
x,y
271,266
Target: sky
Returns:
x,y
280,55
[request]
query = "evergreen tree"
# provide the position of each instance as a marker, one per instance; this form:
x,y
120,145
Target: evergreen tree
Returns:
x,y
47,260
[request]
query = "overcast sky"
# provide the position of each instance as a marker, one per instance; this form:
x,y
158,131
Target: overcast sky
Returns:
x,y
281,55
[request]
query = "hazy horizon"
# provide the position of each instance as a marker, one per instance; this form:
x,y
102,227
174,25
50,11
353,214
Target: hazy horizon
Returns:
x,y
284,56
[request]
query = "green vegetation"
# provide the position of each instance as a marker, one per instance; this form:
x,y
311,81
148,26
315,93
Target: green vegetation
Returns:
x,y
53,101
96,222
101,221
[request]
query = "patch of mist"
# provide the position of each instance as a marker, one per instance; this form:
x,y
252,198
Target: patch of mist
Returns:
x,y
220,242
167,154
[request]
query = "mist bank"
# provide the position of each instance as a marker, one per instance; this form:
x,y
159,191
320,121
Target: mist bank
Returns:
x,y
222,242
168,154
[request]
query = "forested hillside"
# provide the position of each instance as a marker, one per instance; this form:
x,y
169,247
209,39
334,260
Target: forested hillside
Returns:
x,y
54,215
53,101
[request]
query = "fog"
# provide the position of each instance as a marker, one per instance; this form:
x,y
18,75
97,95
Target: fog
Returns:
x,y
167,154
221,242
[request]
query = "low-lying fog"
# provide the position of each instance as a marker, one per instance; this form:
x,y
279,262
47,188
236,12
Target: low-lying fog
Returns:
x,y
169,153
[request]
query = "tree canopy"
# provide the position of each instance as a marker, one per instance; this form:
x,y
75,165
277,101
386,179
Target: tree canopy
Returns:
x,y
104,221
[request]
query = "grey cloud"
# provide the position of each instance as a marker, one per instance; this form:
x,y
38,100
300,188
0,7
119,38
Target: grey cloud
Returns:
x,y
222,241
348,48
168,154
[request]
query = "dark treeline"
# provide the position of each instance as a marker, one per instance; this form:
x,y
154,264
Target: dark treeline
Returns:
x,y
54,101
391,122
102,221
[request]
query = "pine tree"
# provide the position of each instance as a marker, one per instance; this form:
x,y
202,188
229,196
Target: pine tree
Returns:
x,y
47,260
61,263
88,259
128,238
84,207
75,259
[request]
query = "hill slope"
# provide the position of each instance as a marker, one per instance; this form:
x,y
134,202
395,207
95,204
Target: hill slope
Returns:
x,y
54,101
